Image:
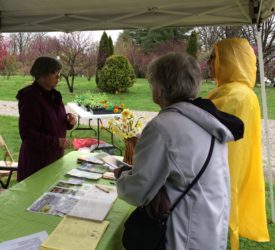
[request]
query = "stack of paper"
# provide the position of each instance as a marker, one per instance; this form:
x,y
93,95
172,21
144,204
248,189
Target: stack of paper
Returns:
x,y
73,233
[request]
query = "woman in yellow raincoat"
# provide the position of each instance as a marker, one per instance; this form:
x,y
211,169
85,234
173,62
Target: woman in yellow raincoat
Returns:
x,y
233,65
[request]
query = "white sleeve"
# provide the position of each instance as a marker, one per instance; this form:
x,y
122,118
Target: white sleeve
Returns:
x,y
151,169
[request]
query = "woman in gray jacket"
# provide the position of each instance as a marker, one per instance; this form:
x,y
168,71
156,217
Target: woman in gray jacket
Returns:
x,y
171,151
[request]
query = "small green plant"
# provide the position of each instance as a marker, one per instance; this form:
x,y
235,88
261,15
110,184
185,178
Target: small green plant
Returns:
x,y
117,75
98,101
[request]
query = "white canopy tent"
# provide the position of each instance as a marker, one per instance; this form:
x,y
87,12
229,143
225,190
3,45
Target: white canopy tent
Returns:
x,y
81,15
69,15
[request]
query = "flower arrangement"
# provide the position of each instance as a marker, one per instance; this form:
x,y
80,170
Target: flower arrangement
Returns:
x,y
126,126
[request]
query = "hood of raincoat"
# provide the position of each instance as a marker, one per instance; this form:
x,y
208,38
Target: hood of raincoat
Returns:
x,y
235,62
223,126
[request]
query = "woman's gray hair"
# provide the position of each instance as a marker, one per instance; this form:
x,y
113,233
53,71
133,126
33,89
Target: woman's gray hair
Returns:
x,y
177,75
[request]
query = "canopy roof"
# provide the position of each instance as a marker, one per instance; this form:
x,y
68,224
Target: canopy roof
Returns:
x,y
77,15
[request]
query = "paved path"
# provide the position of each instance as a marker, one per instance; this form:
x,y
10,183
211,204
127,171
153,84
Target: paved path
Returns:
x,y
10,108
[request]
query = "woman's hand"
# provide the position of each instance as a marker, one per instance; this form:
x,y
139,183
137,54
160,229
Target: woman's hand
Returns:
x,y
71,118
117,172
64,143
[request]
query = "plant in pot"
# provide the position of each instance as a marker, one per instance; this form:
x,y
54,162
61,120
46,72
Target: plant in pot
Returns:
x,y
97,103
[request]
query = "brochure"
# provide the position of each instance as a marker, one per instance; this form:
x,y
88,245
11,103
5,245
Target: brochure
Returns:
x,y
68,191
109,176
90,159
87,201
94,168
83,174
28,242
72,182
114,162
54,204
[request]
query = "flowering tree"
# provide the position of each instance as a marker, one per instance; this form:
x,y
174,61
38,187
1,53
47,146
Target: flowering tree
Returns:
x,y
138,58
43,45
3,51
9,65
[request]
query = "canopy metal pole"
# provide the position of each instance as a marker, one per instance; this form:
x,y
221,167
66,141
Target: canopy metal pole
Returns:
x,y
264,105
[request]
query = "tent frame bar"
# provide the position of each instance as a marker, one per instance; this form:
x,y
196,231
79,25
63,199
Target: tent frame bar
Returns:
x,y
265,115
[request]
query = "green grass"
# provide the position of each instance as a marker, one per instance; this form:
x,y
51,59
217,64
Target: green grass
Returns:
x,y
8,128
246,244
137,98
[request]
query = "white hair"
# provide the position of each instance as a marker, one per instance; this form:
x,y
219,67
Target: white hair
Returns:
x,y
177,75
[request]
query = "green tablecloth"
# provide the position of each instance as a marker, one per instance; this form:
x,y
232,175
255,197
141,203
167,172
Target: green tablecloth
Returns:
x,y
16,221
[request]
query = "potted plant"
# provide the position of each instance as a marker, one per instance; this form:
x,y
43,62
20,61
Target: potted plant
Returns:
x,y
97,103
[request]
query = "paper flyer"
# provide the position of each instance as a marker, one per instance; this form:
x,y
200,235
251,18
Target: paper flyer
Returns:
x,y
72,233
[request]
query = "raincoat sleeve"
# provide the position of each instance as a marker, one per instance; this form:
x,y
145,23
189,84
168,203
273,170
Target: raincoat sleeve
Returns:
x,y
140,185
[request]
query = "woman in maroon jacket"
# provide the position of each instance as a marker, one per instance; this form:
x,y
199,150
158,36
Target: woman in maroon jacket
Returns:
x,y
42,119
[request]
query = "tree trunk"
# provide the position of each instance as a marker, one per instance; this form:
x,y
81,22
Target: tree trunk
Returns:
x,y
70,85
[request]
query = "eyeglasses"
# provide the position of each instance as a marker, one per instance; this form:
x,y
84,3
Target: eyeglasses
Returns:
x,y
57,74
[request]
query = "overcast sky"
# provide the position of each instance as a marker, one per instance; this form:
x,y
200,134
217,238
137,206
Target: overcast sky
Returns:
x,y
96,35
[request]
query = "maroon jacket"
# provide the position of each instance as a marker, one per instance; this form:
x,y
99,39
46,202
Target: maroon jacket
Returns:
x,y
42,120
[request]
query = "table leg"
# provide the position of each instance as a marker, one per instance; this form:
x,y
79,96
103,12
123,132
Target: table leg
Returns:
x,y
78,126
99,122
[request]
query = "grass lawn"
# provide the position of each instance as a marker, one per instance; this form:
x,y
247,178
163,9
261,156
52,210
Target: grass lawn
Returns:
x,y
137,98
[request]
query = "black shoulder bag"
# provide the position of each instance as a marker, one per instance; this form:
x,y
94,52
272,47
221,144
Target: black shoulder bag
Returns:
x,y
146,227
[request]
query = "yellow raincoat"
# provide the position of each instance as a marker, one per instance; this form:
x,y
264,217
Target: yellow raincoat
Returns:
x,y
235,74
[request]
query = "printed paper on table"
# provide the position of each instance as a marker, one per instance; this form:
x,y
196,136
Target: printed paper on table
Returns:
x,y
73,233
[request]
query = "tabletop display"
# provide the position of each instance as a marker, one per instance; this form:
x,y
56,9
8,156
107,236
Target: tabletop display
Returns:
x,y
52,201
